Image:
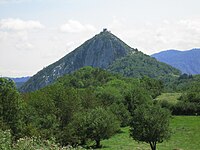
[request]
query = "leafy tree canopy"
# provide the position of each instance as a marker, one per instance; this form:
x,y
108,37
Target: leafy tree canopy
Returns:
x,y
150,124
9,106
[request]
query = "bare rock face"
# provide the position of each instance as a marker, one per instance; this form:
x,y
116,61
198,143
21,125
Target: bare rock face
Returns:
x,y
100,51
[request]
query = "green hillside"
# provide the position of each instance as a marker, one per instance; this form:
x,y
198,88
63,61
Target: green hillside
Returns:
x,y
139,65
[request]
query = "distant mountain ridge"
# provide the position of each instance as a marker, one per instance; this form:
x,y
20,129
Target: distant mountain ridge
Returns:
x,y
100,51
20,79
186,61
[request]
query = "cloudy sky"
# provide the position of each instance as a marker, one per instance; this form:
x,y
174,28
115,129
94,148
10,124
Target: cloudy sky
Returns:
x,y
36,33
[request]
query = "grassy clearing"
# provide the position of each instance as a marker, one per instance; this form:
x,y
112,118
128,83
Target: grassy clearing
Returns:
x,y
170,97
185,136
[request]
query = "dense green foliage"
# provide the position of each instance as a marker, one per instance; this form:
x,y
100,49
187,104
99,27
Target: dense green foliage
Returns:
x,y
55,110
180,83
9,106
150,124
102,125
85,107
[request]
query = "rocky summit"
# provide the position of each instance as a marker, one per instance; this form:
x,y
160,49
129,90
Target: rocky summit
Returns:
x,y
105,51
99,51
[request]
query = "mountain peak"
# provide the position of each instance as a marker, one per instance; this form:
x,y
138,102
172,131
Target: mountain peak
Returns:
x,y
105,35
106,51
103,49
100,51
105,31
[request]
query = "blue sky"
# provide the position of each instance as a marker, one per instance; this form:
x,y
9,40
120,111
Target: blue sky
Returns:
x,y
36,33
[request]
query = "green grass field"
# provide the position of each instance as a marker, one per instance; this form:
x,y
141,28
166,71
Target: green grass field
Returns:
x,y
185,136
170,97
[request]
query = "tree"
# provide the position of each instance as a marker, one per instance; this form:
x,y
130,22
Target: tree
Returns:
x,y
136,97
75,133
9,106
49,110
88,98
95,125
102,124
39,115
109,95
153,86
121,113
150,124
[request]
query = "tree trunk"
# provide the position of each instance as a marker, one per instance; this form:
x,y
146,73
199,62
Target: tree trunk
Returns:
x,y
98,145
153,145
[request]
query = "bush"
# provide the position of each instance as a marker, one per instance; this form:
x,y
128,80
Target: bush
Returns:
x,y
5,140
185,108
166,104
29,143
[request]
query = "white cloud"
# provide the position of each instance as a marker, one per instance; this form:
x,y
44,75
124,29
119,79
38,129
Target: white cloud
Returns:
x,y
191,24
74,26
151,37
18,24
117,24
24,46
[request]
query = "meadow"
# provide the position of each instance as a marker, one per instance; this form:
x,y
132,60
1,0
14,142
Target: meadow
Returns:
x,y
169,97
185,136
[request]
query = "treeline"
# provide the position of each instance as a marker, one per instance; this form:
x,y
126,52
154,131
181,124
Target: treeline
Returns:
x,y
79,109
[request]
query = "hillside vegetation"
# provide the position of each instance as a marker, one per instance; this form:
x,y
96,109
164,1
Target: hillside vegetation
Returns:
x,y
140,65
91,105
88,105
